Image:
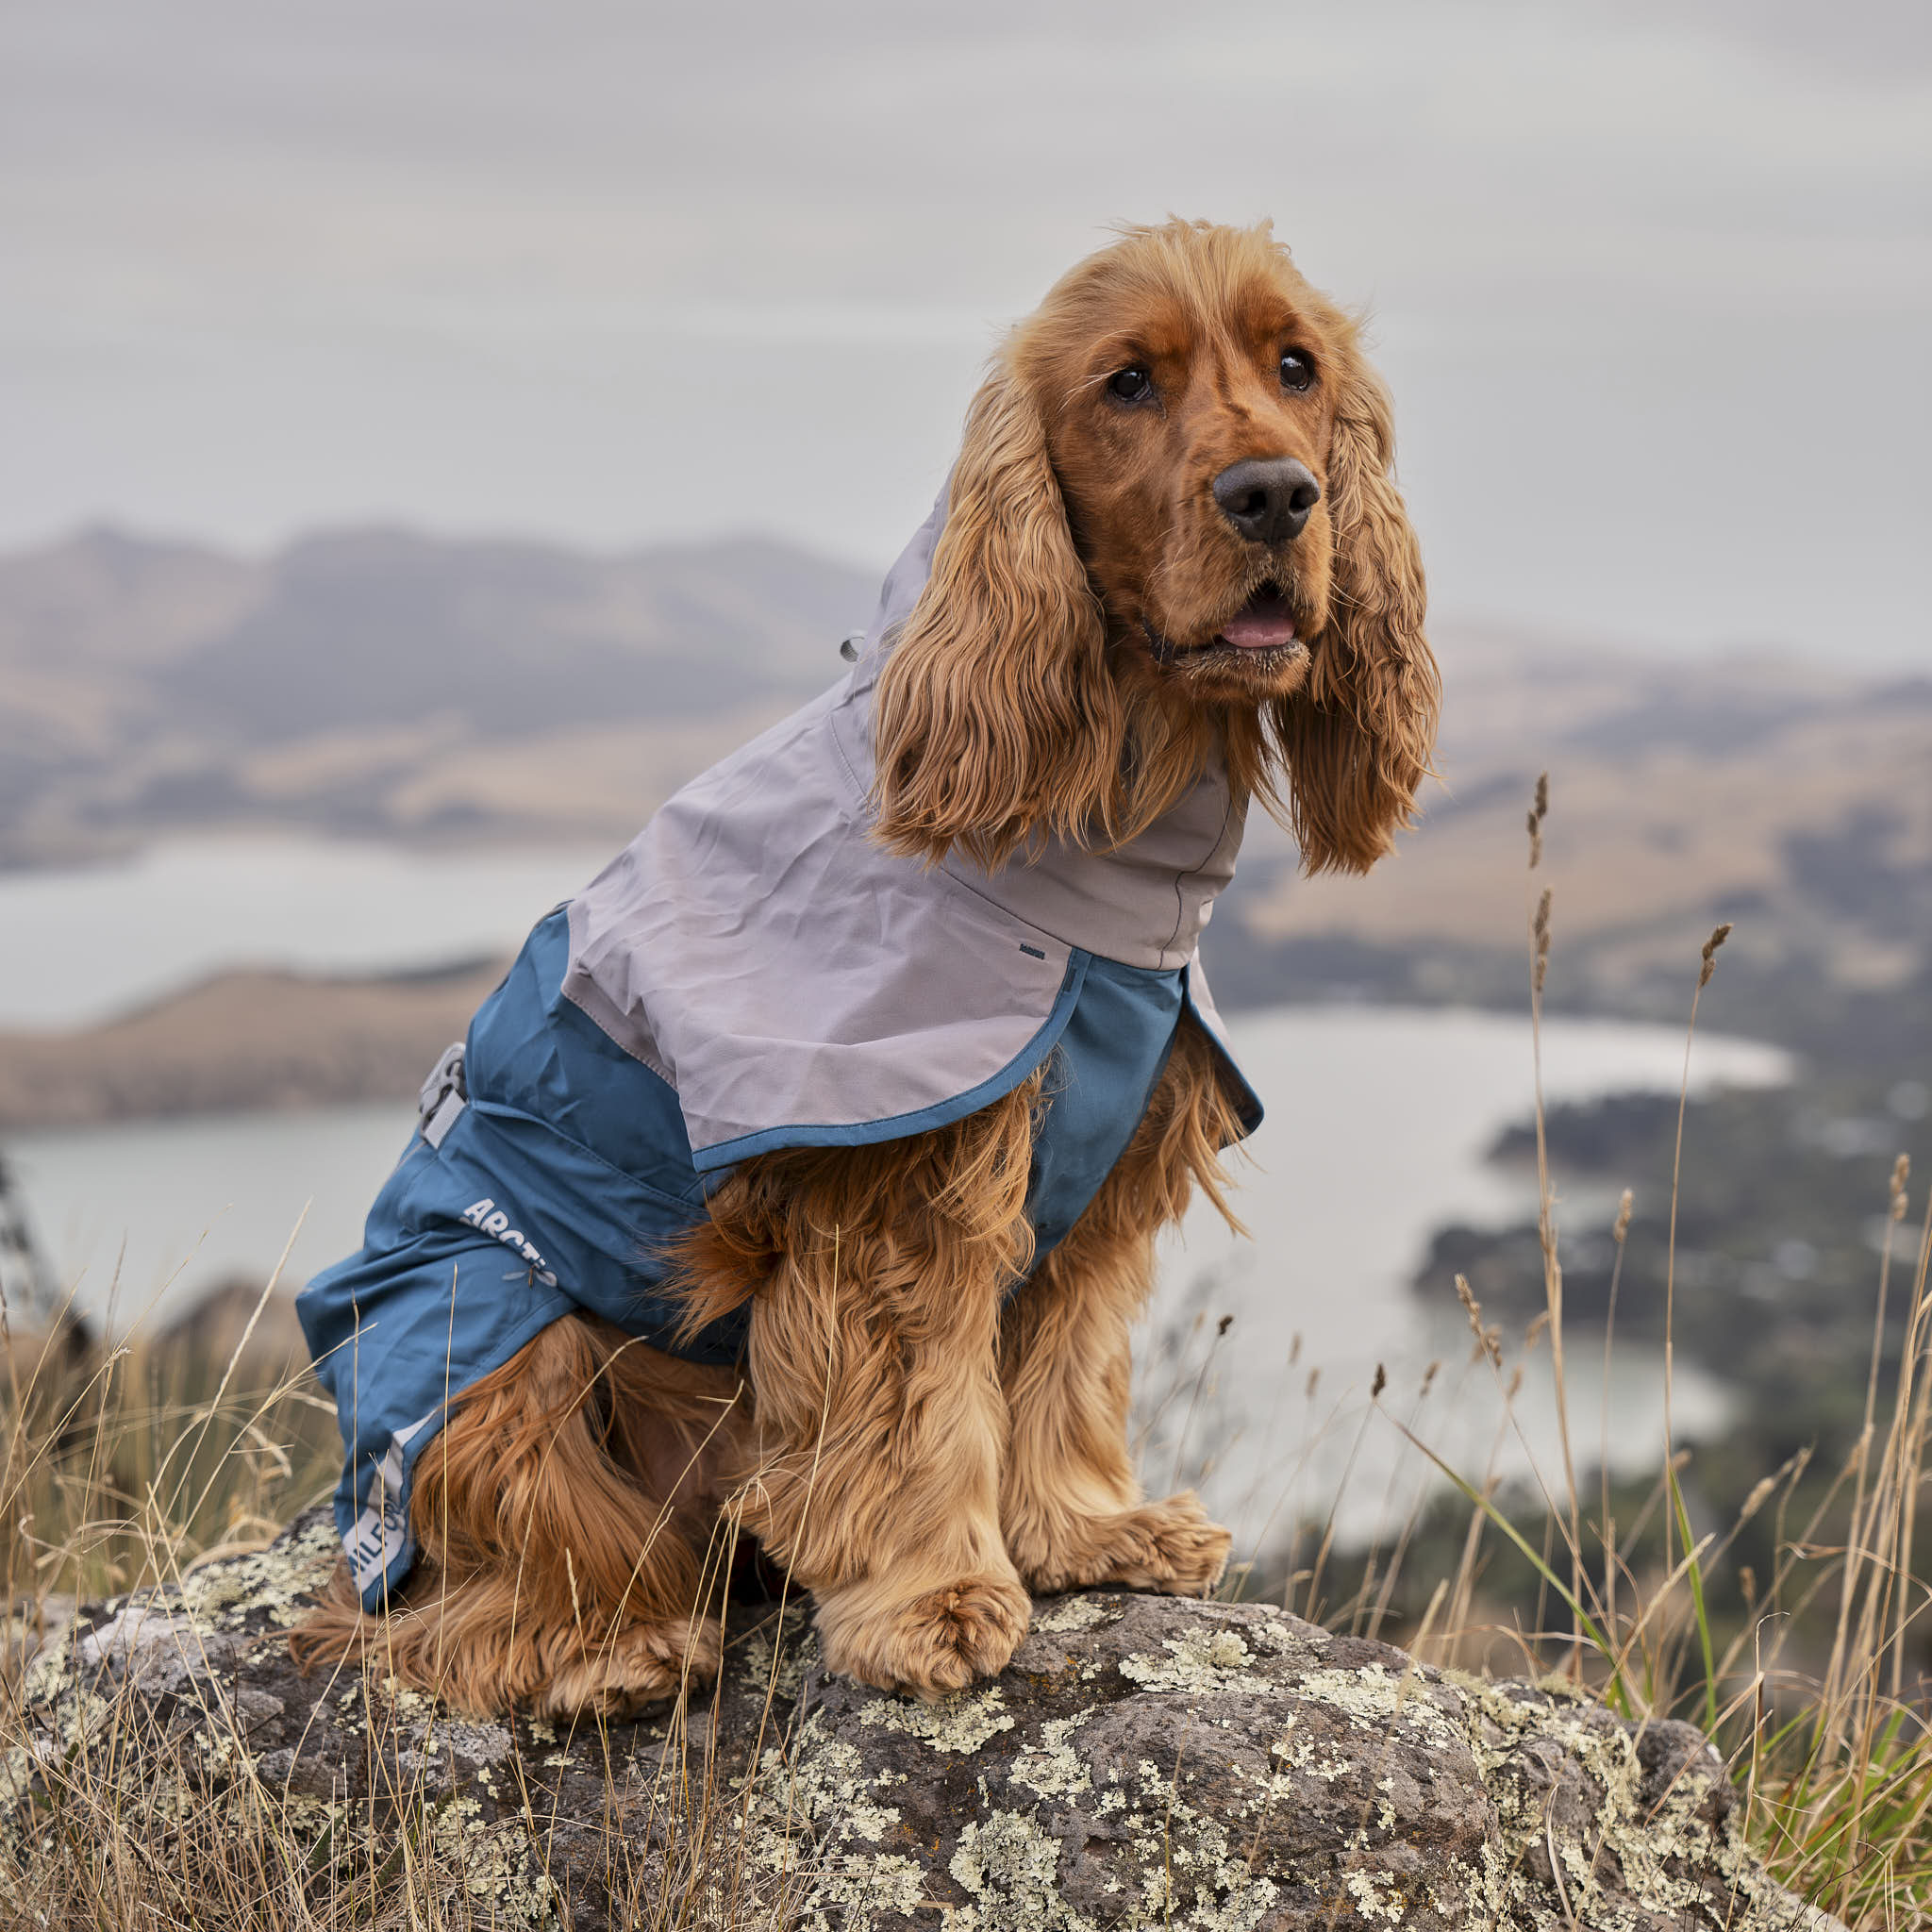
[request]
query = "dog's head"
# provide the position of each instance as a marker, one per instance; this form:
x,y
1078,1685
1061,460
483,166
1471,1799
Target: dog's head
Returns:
x,y
1170,533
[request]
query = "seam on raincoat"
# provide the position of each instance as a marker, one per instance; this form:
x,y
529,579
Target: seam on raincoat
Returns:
x,y
1194,871
940,1113
611,1021
495,1110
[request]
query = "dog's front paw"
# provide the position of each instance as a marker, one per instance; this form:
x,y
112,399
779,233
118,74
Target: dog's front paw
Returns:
x,y
1169,1546
929,1644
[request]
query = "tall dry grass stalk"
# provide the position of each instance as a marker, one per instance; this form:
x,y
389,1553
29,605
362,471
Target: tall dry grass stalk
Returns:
x,y
1545,1193
1836,1767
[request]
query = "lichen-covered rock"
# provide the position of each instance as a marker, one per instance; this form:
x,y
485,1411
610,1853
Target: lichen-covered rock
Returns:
x,y
1222,1765
1144,1761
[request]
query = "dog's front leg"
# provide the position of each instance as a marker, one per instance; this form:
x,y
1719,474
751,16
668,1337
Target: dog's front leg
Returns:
x,y
875,1358
1070,1504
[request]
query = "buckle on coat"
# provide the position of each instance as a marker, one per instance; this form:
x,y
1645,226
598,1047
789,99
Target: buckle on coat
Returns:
x,y
444,1095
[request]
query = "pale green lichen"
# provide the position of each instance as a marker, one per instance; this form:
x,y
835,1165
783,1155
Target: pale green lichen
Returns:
x,y
1374,1696
1373,1901
275,1579
1075,1613
812,1821
498,1862
478,1744
1203,1661
1641,1843
829,1789
402,1700
960,1723
776,1670
17,1767
1173,1836
1051,1768
1179,1866
845,1894
1009,1868
1275,1635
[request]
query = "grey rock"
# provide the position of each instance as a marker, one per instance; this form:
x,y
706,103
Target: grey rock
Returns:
x,y
1144,1761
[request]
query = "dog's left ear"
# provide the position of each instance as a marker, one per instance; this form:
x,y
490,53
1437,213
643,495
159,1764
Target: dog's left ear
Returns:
x,y
1358,739
994,718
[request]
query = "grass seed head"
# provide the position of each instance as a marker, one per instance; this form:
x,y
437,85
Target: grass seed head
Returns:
x,y
1710,954
1538,814
1488,1341
1761,1492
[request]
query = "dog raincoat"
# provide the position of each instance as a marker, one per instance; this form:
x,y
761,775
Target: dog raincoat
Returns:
x,y
753,972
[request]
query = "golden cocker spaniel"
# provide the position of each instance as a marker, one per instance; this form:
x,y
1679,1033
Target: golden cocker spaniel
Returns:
x,y
1171,545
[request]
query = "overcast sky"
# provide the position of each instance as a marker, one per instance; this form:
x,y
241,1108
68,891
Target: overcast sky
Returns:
x,y
1651,282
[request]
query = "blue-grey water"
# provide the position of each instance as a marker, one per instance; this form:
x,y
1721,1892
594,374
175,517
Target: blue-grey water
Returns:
x,y
1377,1123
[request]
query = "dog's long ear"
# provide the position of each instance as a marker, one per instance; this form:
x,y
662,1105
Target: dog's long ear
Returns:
x,y
1358,739
995,719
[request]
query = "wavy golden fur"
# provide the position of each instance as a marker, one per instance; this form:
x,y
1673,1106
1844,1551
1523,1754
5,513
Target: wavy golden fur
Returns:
x,y
921,1446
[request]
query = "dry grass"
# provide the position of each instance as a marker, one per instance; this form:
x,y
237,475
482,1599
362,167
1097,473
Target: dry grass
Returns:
x,y
122,1473
1825,1729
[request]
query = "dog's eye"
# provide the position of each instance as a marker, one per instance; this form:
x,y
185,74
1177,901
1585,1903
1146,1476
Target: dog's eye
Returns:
x,y
1131,384
1297,372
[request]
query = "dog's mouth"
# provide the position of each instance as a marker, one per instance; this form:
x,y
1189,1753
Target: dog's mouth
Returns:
x,y
1262,631
1264,623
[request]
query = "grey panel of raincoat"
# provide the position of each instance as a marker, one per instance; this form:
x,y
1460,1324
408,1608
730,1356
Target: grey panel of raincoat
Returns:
x,y
796,983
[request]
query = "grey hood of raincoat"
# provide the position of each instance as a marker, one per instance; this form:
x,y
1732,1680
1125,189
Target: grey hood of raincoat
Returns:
x,y
798,984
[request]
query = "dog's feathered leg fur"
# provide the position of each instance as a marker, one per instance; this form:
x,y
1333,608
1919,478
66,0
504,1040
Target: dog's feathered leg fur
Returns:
x,y
1070,1505
562,1516
876,1277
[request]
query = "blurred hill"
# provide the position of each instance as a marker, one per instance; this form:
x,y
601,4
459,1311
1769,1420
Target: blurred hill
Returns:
x,y
1788,797
387,684
242,1041
379,682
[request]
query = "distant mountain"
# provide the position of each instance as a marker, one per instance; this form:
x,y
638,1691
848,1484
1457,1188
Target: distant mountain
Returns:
x,y
374,628
385,683
341,681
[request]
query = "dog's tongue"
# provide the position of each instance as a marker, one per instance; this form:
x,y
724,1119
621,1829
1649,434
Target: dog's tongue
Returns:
x,y
1263,621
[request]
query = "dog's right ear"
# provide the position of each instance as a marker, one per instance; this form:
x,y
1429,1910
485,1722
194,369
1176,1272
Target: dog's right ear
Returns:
x,y
994,718
1359,738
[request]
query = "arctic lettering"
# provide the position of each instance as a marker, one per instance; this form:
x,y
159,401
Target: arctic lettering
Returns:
x,y
490,1219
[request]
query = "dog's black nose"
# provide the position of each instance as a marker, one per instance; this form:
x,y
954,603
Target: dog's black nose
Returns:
x,y
1267,498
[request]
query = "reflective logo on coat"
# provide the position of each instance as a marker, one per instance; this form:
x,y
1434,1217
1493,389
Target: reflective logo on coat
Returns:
x,y
486,1216
381,1533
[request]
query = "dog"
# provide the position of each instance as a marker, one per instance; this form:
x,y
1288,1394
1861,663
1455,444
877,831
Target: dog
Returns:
x,y
801,1178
